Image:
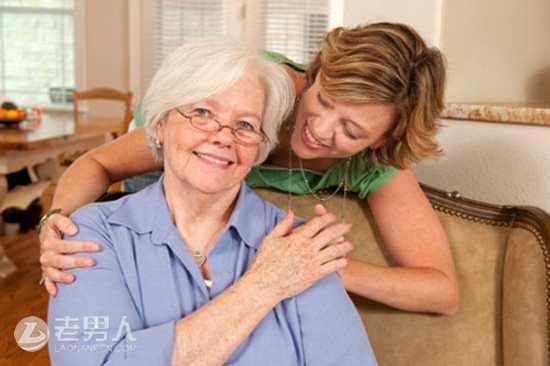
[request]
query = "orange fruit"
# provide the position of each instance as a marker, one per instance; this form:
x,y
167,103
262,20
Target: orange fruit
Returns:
x,y
2,114
11,115
20,114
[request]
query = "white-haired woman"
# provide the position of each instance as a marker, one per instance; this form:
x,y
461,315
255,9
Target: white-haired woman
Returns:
x,y
196,269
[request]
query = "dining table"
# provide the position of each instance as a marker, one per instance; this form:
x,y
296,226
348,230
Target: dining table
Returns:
x,y
28,143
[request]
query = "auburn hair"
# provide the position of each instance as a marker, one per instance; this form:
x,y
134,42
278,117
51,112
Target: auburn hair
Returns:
x,y
389,63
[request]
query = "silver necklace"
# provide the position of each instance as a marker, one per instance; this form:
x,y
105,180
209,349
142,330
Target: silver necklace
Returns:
x,y
343,182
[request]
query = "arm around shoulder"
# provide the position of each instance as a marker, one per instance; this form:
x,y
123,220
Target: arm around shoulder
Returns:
x,y
92,173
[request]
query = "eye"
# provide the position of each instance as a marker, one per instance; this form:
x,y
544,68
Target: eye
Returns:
x,y
323,102
350,133
202,112
246,125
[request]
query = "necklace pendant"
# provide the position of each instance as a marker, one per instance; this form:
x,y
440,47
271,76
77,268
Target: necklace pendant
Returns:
x,y
199,258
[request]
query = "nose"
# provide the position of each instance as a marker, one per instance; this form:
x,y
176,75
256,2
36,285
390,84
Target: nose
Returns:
x,y
224,136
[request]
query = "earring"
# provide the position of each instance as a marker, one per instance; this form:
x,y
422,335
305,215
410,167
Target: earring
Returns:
x,y
158,145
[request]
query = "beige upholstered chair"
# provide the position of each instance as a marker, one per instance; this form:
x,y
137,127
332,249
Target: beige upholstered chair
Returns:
x,y
501,256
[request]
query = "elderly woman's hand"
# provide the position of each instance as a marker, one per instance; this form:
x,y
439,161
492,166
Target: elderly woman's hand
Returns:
x,y
290,260
53,248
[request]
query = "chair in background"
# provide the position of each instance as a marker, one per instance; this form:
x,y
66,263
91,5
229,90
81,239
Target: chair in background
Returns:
x,y
106,94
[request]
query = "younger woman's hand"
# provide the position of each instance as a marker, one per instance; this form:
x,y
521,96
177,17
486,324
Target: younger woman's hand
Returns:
x,y
291,260
53,250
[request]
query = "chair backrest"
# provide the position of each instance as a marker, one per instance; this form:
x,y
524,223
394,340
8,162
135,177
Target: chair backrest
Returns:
x,y
106,94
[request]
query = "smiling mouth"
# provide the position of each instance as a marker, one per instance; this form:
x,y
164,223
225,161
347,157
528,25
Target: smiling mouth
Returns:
x,y
310,140
213,160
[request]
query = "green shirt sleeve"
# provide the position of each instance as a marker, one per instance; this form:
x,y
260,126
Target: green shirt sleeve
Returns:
x,y
137,115
279,58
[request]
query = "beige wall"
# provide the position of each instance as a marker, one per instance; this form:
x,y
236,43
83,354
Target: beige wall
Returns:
x,y
425,18
492,162
106,49
498,50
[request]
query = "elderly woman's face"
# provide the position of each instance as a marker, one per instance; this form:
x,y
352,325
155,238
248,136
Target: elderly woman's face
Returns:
x,y
212,162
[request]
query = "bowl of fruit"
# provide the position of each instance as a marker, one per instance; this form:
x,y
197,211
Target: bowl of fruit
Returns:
x,y
10,114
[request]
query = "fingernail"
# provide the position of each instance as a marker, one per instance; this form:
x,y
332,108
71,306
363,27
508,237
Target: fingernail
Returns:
x,y
89,263
95,247
71,230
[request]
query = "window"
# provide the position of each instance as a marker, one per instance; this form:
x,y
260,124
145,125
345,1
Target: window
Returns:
x,y
182,20
36,50
295,28
291,27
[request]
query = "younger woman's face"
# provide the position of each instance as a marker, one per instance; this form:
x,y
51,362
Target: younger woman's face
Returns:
x,y
325,128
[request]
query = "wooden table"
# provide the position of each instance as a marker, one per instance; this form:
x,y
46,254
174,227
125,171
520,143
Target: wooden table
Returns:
x,y
34,142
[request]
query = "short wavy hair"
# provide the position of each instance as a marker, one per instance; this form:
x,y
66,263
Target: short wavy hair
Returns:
x,y
389,63
204,67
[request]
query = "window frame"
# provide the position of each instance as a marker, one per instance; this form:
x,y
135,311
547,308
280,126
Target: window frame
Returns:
x,y
79,50
244,20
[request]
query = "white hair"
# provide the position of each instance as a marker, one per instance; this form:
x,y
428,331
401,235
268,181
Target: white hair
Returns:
x,y
204,67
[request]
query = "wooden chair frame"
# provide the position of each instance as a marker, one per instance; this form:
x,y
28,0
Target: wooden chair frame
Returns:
x,y
106,94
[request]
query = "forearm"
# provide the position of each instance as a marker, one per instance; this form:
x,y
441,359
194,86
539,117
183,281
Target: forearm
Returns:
x,y
91,174
83,182
211,334
406,288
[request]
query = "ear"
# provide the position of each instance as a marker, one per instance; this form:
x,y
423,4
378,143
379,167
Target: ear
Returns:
x,y
160,128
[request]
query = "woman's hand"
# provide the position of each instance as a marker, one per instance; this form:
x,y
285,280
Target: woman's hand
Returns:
x,y
290,260
53,248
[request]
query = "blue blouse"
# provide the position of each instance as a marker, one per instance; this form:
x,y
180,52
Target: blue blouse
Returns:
x,y
122,311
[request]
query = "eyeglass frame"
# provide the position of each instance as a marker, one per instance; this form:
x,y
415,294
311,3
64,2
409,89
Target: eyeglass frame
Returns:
x,y
262,134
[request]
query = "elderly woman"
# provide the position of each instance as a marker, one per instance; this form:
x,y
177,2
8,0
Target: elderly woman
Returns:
x,y
196,269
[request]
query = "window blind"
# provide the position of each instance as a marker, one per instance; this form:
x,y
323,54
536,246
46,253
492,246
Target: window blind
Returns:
x,y
295,27
179,21
36,50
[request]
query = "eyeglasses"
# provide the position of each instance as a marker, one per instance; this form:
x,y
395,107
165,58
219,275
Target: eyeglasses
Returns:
x,y
246,136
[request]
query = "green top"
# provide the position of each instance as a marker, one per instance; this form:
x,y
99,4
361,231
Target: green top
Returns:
x,y
363,176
